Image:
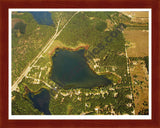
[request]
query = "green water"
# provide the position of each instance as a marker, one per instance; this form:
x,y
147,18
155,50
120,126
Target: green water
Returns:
x,y
70,70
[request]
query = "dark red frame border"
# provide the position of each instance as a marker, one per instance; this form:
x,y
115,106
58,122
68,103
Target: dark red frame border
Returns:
x,y
6,4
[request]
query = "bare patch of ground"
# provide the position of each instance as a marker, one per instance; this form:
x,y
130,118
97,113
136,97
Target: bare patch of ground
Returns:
x,y
138,42
110,25
13,97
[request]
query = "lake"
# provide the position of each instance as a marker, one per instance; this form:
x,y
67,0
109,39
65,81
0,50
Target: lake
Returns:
x,y
41,101
43,18
70,70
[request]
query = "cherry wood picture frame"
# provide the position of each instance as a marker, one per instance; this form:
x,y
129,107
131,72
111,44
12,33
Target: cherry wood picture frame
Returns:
x,y
4,63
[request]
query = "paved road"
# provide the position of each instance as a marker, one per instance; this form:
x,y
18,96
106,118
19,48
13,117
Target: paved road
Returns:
x,y
34,61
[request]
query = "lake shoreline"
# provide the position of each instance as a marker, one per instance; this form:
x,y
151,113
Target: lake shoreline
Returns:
x,y
74,64
69,48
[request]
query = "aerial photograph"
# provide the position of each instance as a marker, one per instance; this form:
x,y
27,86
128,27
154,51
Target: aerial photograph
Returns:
x,y
79,62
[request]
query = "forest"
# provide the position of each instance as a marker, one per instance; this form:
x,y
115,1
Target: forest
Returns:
x,y
90,28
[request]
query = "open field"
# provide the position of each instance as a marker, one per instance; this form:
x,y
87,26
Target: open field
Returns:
x,y
138,42
141,17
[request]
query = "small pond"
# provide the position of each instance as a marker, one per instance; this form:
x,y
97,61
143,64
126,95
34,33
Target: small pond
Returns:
x,y
41,101
43,18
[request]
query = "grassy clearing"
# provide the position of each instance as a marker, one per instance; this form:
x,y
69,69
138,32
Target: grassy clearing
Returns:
x,y
139,42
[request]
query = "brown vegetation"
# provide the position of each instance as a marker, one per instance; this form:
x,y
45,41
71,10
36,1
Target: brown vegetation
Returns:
x,y
140,86
136,16
138,42
57,44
